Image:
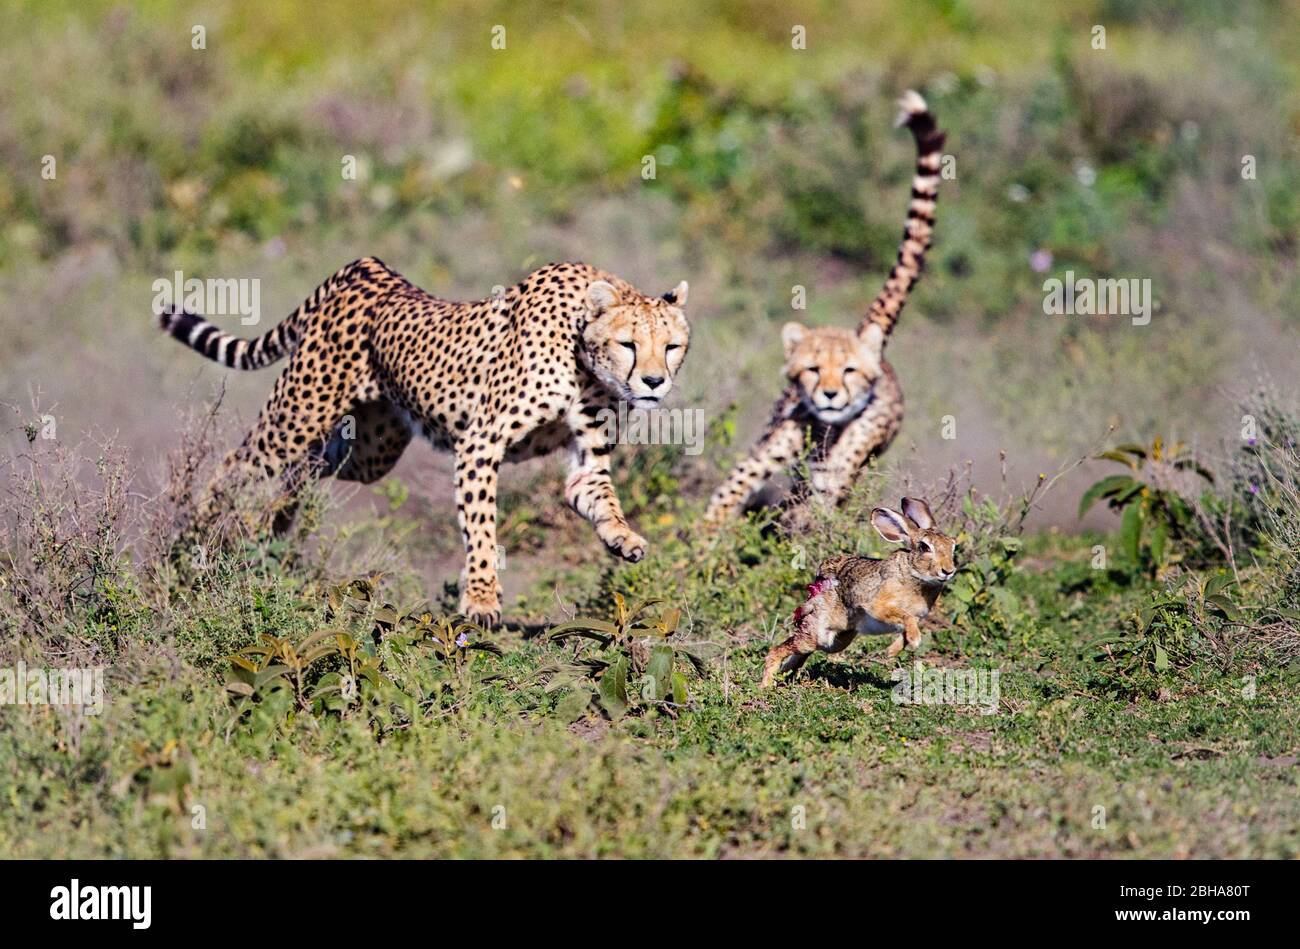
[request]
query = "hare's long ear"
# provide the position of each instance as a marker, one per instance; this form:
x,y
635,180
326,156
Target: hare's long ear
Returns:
x,y
891,526
918,512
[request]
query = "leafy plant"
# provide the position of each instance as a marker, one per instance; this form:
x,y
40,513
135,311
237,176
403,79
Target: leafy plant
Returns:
x,y
446,638
989,551
276,664
1157,525
331,670
1169,630
634,647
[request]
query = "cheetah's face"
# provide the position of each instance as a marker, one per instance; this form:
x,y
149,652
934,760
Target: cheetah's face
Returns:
x,y
834,368
636,344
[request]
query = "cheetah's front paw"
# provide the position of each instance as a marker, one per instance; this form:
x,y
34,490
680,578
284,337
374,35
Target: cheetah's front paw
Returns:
x,y
627,544
482,608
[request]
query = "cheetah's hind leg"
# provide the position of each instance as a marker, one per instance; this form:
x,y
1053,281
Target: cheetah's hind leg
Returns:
x,y
366,443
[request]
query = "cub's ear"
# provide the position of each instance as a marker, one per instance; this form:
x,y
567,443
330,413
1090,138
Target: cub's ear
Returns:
x,y
872,349
601,295
792,334
891,526
873,337
677,295
918,512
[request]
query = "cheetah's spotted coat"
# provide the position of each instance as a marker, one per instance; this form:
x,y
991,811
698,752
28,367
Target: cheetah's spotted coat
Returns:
x,y
501,379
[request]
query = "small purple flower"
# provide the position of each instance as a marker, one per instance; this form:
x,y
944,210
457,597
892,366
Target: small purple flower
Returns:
x,y
1250,442
1254,489
1040,261
462,640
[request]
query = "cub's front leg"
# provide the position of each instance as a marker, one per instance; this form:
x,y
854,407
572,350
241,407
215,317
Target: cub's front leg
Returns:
x,y
775,450
589,490
478,464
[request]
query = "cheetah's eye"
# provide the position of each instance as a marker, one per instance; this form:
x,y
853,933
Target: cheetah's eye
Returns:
x,y
671,346
813,369
628,344
850,369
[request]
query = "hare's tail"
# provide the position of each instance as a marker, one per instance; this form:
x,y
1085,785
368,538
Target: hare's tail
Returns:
x,y
819,586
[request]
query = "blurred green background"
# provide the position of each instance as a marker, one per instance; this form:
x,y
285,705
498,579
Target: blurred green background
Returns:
x,y
775,167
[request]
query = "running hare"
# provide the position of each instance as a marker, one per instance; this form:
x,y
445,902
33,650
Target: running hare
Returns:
x,y
853,595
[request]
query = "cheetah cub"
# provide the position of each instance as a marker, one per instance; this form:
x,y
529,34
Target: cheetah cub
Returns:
x,y
853,595
842,404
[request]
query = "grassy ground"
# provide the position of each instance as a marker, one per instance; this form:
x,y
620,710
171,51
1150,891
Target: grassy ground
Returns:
x,y
1090,745
1074,760
1134,717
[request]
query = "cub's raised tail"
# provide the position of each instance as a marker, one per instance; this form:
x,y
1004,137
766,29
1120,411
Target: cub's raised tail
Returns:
x,y
919,229
237,353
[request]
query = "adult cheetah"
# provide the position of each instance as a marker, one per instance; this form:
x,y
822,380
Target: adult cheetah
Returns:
x,y
375,360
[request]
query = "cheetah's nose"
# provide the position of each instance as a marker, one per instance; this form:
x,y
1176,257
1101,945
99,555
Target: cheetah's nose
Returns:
x,y
653,382
830,394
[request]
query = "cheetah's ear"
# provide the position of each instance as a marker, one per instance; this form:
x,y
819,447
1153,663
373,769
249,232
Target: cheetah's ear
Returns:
x,y
871,349
677,295
873,337
792,335
601,295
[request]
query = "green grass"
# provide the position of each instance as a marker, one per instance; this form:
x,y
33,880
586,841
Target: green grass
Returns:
x,y
726,777
1082,756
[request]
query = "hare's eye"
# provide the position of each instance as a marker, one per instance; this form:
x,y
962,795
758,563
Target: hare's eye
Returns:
x,y
925,545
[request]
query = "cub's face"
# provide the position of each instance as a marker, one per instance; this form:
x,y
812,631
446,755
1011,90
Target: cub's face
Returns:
x,y
635,344
834,368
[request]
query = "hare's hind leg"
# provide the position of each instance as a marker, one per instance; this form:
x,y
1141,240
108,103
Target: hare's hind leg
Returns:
x,y
821,623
